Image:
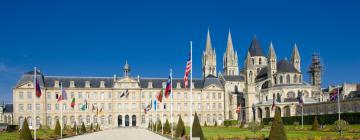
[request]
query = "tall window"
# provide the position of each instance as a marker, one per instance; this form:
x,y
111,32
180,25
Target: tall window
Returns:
x,y
48,106
219,95
21,107
295,78
288,79
29,107
207,95
109,95
281,79
56,106
259,61
102,95
29,95
199,96
48,95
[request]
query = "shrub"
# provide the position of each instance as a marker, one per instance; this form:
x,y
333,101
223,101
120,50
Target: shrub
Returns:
x,y
254,127
12,128
180,128
149,126
196,128
158,126
98,127
74,128
91,129
25,133
315,125
167,127
57,128
277,131
231,122
215,124
205,124
341,126
83,128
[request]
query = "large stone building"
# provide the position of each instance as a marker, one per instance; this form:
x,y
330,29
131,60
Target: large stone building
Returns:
x,y
263,79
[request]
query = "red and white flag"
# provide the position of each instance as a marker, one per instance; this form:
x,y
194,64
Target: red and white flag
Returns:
x,y
187,72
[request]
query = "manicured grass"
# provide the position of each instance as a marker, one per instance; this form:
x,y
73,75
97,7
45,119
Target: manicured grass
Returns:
x,y
15,135
292,132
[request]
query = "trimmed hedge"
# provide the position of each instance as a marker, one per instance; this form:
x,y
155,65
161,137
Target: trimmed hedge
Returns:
x,y
351,118
231,122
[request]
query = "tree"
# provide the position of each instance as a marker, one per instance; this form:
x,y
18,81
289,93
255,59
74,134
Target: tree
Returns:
x,y
25,133
196,128
277,131
91,128
167,126
215,124
254,127
315,125
74,128
180,128
57,128
149,126
159,126
83,128
341,126
205,124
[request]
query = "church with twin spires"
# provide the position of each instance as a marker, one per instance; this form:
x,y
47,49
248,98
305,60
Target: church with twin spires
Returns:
x,y
235,93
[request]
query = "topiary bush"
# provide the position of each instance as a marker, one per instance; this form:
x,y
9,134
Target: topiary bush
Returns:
x,y
57,128
25,133
167,127
215,124
98,127
205,124
91,129
254,127
180,128
277,131
315,125
83,128
159,126
196,128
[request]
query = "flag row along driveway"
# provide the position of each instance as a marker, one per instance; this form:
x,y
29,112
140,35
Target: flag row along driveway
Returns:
x,y
120,133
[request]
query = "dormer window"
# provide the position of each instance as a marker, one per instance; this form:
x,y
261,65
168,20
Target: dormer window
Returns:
x,y
87,84
56,83
150,85
72,84
102,84
178,85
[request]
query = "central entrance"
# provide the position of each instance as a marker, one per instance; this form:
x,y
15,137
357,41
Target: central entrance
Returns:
x,y
127,120
119,120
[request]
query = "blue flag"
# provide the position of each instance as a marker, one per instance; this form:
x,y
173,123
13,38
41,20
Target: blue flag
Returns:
x,y
155,107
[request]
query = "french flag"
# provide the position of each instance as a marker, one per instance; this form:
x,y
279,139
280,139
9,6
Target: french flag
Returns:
x,y
38,90
168,87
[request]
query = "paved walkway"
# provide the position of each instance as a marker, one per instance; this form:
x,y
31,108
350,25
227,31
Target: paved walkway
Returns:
x,y
120,133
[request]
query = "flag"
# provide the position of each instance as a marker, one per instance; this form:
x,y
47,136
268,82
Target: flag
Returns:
x,y
273,105
300,98
159,96
72,103
126,93
168,87
155,107
187,72
238,109
37,86
334,94
63,95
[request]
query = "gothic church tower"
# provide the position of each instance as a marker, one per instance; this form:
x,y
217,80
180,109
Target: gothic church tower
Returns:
x,y
230,59
209,59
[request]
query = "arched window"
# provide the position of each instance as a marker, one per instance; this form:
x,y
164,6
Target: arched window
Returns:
x,y
288,79
88,119
110,119
49,121
295,78
253,61
21,121
281,79
250,76
259,61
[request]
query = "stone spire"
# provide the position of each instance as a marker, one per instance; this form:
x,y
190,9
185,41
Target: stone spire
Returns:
x,y
272,65
209,58
230,59
271,54
248,60
295,58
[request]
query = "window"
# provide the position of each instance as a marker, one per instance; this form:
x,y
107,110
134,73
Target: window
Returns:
x,y
179,106
185,95
133,106
281,79
57,106
253,61
143,119
126,106
220,106
21,107
21,95
48,95
199,106
29,107
133,95
149,95
119,106
110,106
102,95
259,61
214,106
48,106
87,119
179,94
207,95
29,95
288,79
64,107
214,95
295,78
207,105
143,95
72,95
219,95
199,96
109,95
80,95
185,105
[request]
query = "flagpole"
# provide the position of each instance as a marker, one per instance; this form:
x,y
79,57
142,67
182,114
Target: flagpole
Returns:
x,y
156,116
171,107
338,102
34,118
302,116
191,86
61,102
162,114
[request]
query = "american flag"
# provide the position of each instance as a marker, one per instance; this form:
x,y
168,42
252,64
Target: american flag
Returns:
x,y
187,71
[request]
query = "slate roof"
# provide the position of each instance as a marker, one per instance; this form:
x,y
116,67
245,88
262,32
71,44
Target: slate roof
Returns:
x,y
233,77
286,67
109,82
8,108
255,49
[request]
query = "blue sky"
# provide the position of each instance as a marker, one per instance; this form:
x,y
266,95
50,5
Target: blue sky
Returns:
x,y
94,38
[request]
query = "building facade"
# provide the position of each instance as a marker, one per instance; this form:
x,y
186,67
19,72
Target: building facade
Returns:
x,y
263,80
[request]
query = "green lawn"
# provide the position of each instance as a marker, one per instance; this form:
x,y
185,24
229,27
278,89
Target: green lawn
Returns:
x,y
292,132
